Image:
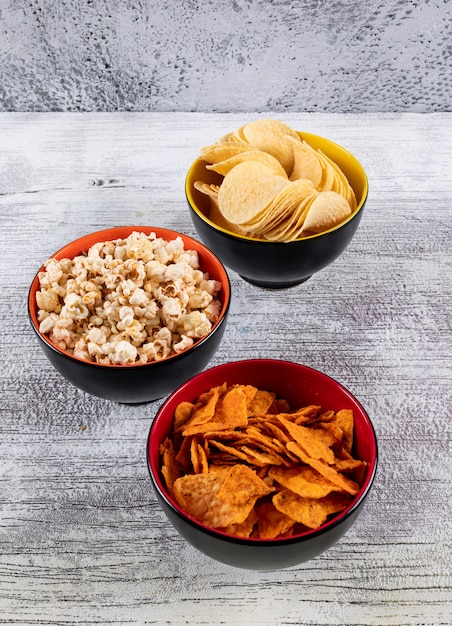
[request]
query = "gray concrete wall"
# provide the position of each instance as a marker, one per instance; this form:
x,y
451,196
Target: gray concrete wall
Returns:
x,y
219,55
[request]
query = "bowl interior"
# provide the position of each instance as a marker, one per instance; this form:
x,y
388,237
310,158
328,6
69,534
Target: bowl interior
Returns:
x,y
208,261
348,163
298,384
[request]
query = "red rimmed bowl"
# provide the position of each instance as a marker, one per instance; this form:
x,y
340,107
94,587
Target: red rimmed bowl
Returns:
x,y
141,382
301,386
272,264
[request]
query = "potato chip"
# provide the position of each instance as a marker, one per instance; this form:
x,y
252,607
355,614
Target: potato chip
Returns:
x,y
224,167
247,190
306,163
251,203
230,411
281,206
271,136
221,151
307,511
327,210
198,457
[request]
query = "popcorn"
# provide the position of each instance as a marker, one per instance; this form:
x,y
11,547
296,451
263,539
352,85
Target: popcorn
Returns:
x,y
128,301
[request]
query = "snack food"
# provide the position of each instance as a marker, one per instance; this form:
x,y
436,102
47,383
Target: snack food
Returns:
x,y
274,186
242,461
127,301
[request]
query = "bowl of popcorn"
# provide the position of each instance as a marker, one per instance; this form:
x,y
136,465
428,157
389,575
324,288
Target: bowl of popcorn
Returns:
x,y
262,464
275,204
129,313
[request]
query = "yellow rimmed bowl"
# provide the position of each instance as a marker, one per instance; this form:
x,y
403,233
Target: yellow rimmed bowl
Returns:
x,y
270,264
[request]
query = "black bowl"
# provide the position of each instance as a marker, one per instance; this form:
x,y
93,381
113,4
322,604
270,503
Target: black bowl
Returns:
x,y
278,265
301,386
141,382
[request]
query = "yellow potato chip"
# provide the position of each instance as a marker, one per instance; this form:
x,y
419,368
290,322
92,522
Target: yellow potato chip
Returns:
x,y
306,163
327,210
210,190
246,191
216,216
281,206
271,136
221,151
291,228
310,512
224,167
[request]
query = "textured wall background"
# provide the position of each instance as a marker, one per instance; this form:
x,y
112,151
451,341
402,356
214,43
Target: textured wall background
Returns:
x,y
225,55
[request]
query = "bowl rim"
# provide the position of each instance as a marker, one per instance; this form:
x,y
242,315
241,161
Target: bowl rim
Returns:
x,y
225,282
194,207
275,542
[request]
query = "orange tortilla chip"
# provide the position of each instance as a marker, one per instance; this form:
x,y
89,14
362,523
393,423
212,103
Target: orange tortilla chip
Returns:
x,y
310,440
272,523
170,469
261,402
242,485
310,512
236,447
325,470
245,528
303,480
204,409
229,412
344,419
182,414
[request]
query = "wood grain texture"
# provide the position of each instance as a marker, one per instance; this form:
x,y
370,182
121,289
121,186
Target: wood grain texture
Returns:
x,y
82,539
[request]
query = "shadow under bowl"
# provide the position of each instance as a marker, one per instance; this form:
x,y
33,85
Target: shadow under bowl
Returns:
x,y
278,265
133,384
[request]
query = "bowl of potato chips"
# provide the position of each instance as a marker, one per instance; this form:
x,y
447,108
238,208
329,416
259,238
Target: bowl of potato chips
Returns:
x,y
262,463
129,313
275,204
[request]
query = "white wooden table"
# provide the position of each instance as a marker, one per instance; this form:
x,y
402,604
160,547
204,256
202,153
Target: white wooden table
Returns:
x,y
82,539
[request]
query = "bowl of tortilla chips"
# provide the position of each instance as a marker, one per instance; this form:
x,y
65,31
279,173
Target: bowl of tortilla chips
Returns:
x,y
275,204
262,464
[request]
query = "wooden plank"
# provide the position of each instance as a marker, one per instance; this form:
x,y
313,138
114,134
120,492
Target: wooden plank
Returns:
x,y
82,539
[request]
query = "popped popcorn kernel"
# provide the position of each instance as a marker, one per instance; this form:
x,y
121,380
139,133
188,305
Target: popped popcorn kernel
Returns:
x,y
129,301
